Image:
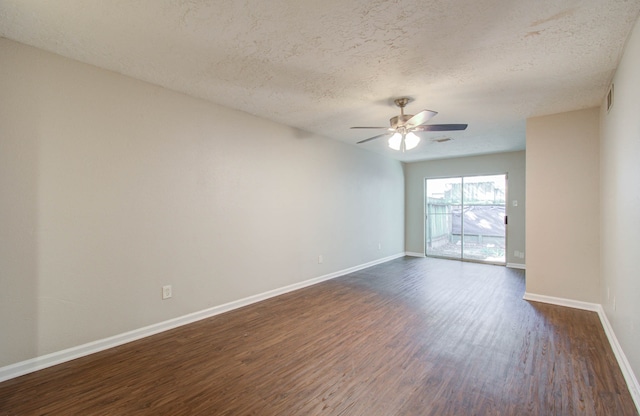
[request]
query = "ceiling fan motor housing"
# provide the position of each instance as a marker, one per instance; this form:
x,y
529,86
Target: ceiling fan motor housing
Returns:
x,y
399,120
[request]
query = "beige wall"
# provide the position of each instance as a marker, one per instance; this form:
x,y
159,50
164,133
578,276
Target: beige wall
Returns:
x,y
512,163
563,205
620,204
112,187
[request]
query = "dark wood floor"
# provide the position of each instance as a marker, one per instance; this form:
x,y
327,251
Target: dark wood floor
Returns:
x,y
408,337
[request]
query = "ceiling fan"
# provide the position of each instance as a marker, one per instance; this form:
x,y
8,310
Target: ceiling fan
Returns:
x,y
401,132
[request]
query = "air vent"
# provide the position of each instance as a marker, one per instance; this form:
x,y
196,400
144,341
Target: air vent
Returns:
x,y
441,139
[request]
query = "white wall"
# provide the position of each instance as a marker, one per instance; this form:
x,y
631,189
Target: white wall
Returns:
x,y
112,187
620,204
512,163
563,198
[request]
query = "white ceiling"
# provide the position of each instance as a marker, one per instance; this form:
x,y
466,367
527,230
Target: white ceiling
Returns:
x,y
324,65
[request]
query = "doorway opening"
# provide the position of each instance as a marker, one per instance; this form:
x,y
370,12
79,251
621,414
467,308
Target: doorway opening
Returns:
x,y
466,218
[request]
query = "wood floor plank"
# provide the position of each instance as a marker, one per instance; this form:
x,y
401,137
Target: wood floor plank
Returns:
x,y
408,337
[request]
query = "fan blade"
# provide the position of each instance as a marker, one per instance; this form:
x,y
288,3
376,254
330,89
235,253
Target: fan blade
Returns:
x,y
374,137
440,127
420,118
369,127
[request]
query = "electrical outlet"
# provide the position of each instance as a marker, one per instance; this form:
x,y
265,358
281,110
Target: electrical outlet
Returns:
x,y
166,292
516,253
379,246
320,259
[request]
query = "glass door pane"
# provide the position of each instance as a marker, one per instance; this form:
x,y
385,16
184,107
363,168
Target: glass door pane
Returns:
x,y
443,204
483,213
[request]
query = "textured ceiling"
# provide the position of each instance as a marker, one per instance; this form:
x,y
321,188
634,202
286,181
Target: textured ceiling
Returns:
x,y
325,65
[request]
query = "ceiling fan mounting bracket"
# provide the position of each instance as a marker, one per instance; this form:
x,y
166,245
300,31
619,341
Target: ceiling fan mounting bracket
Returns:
x,y
402,102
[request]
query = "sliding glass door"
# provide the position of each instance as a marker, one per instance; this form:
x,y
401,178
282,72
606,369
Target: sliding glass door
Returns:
x,y
465,218
444,204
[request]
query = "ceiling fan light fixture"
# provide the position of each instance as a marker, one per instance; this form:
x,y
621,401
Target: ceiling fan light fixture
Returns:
x,y
403,142
395,141
411,140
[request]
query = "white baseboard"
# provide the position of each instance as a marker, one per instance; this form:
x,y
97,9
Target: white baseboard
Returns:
x,y
58,357
627,371
414,254
562,302
625,367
